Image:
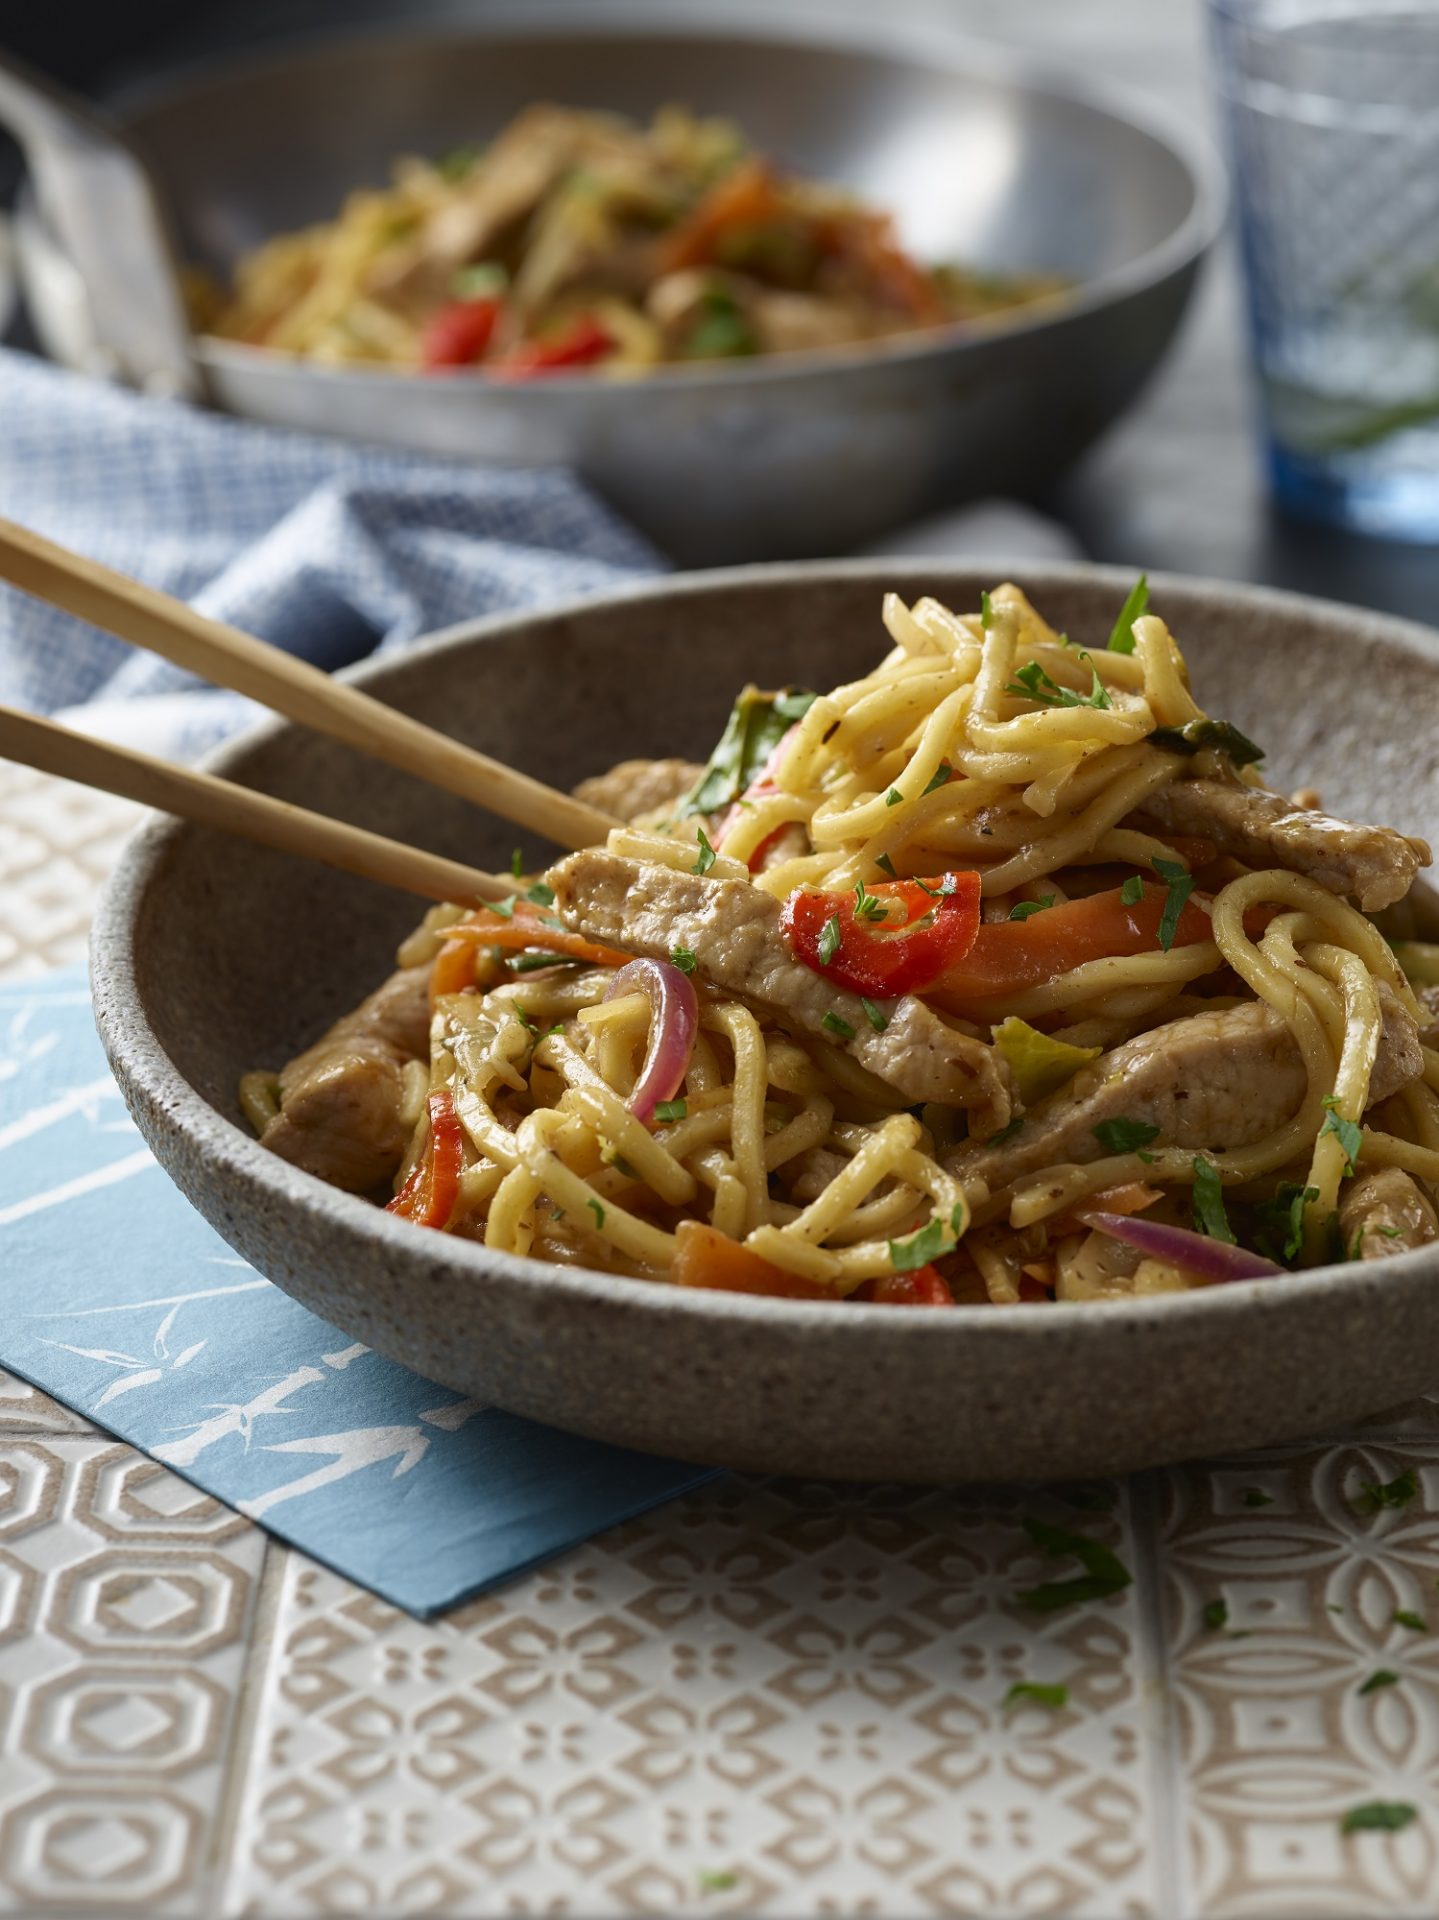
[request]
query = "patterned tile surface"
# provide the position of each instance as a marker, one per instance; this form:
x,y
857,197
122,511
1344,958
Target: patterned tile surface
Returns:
x,y
57,843
766,1697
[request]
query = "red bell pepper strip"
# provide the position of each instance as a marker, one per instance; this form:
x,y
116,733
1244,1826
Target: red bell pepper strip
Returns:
x,y
1009,956
429,1194
457,334
924,1287
579,346
705,1257
880,957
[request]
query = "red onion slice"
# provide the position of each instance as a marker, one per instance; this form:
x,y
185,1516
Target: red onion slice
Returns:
x,y
1195,1252
674,1021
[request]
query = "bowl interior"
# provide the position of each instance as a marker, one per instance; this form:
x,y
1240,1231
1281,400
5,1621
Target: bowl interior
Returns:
x,y
243,955
977,165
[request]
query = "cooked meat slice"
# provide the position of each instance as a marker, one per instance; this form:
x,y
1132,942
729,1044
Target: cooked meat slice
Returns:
x,y
1400,1058
733,929
340,1100
638,789
1383,1212
1428,998
1371,865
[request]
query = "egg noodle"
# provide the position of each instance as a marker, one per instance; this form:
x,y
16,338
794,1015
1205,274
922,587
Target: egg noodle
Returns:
x,y
984,743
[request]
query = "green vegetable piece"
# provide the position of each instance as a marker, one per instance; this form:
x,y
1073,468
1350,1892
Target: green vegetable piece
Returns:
x,y
893,797
941,777
1279,1222
866,906
1121,639
1035,1693
597,1210
711,1882
1180,885
986,611
1209,1214
486,280
1125,1136
1375,1496
1379,1816
1349,1133
933,1240
1382,1678
707,855
832,1023
886,865
1132,892
683,958
540,894
1407,1617
517,863
1006,1132
1195,734
830,939
1023,909
757,723
1031,682
1104,1572
876,1016
670,1109
722,330
1216,1615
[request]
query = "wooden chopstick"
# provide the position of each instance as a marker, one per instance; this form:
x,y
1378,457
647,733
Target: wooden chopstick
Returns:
x,y
41,744
222,654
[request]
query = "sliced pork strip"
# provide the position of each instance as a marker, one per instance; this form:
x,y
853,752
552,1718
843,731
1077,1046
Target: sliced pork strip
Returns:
x,y
1385,1212
637,790
1400,1058
1213,1080
340,1100
733,929
1373,866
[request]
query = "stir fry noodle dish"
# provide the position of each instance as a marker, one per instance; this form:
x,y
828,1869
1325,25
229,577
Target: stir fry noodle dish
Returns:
x,y
996,975
579,241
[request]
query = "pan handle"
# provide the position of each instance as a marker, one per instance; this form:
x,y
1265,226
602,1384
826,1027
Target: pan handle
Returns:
x,y
100,199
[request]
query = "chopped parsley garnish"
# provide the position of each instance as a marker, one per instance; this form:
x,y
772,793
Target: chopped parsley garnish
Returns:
x,y
597,1210
710,1882
1104,1572
1006,1132
941,777
1376,1495
866,906
670,1109
721,330
1382,1678
1209,1214
829,939
1216,1615
757,724
683,958
1257,1497
1279,1222
1031,682
986,611
517,863
1124,1136
1407,1617
1132,892
1179,885
1379,1816
1037,1693
707,854
534,962
524,1019
832,1023
1347,1132
542,895
885,865
893,797
932,1241
876,1016
1024,908
1121,639
1195,734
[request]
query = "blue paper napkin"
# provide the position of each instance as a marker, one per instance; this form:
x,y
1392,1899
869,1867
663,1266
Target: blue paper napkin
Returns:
x,y
117,1298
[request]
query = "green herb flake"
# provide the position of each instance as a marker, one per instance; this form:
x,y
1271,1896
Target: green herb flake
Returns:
x,y
866,905
721,331
1132,892
932,1242
1035,1693
830,939
670,1110
486,280
986,611
1279,1222
942,776
1124,1136
1006,1132
1179,884
1407,1617
707,855
1216,1615
1025,908
1384,1677
832,1023
1121,639
524,1019
893,797
1031,682
1379,1816
517,863
1104,1572
1257,1497
1377,1496
683,958
885,865
540,894
876,1016
756,725
1348,1133
536,962
597,1210
1209,1214
713,1882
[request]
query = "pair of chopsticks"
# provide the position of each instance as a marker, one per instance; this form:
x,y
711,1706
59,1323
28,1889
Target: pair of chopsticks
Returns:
x,y
229,658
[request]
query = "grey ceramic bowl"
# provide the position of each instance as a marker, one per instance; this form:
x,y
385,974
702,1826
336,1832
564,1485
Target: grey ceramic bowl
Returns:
x,y
211,956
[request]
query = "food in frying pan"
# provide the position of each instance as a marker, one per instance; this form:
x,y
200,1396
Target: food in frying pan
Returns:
x,y
581,241
996,975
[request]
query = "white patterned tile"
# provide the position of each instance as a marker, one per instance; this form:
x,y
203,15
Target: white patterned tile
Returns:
x,y
58,842
126,1609
765,1698
25,1409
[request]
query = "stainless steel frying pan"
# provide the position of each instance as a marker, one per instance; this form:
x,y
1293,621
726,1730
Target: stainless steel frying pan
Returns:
x,y
982,160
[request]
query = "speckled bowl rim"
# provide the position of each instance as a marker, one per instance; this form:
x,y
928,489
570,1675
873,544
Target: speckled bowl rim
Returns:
x,y
143,1063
